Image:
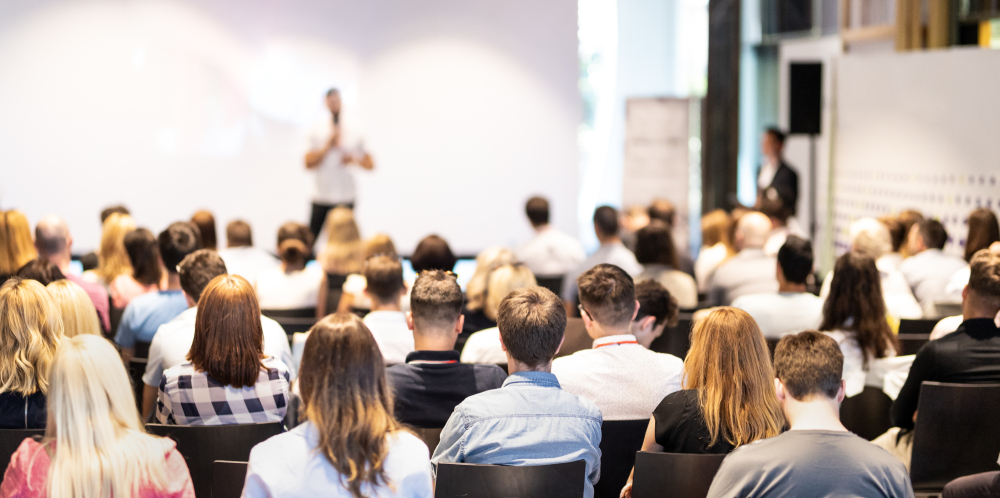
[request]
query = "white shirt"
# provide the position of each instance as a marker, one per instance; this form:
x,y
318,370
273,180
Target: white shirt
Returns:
x,y
766,176
855,375
957,283
783,313
334,179
280,290
624,379
928,274
946,326
484,347
173,340
247,261
679,284
612,253
289,466
551,252
899,300
394,339
709,258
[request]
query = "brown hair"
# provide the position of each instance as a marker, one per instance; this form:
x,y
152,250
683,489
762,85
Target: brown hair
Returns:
x,y
716,227
293,230
730,366
532,322
537,209
907,218
655,301
198,269
502,281
228,336
896,232
663,210
206,227
436,299
983,232
379,243
654,244
144,253
16,247
809,363
855,304
41,271
342,253
384,275
345,396
607,294
239,234
984,277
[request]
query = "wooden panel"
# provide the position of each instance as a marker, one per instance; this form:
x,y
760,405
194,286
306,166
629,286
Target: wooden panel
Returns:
x,y
938,24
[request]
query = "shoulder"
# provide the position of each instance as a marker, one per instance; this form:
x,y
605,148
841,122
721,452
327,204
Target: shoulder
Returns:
x,y
405,442
569,364
752,300
276,368
270,326
677,401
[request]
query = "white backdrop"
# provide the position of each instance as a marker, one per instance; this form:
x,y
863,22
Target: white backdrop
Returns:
x,y
469,107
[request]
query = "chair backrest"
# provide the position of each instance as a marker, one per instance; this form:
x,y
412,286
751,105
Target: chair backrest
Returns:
x,y
675,340
334,289
203,445
956,433
919,326
10,439
136,369
140,350
679,475
561,480
867,413
430,437
291,325
115,318
620,440
228,478
911,343
291,313
576,338
553,284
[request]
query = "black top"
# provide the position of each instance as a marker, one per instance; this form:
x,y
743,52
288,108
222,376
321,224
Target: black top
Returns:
x,y
427,393
18,412
969,355
474,322
680,426
786,183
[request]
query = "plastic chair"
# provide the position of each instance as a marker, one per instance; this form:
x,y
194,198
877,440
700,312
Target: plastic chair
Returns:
x,y
956,433
576,338
620,440
677,475
553,283
462,480
867,414
10,439
430,437
204,444
228,478
136,369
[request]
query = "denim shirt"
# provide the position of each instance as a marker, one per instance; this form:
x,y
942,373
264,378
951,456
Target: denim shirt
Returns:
x,y
530,420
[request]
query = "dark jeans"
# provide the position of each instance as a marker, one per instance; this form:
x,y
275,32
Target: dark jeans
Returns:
x,y
975,486
319,212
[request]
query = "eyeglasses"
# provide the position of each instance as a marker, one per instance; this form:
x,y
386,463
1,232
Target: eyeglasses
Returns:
x,y
583,311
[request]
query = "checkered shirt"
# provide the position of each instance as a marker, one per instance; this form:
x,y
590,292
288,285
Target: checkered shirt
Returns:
x,y
188,396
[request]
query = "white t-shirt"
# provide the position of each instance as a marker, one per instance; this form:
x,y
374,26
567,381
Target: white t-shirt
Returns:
x,y
394,339
551,252
247,261
709,258
855,375
782,313
280,290
334,179
484,347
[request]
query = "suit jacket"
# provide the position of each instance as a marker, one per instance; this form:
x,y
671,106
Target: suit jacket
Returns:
x,y
786,183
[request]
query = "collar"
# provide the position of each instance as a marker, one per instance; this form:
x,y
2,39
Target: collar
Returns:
x,y
540,379
386,316
433,357
615,340
980,328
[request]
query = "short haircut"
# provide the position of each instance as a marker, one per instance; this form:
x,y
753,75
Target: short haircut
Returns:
x,y
238,234
796,259
776,133
606,221
108,211
654,244
433,253
40,270
293,230
607,294
198,269
206,227
773,206
809,363
176,242
532,321
655,301
385,277
933,233
984,274
332,91
144,253
663,210
436,300
537,210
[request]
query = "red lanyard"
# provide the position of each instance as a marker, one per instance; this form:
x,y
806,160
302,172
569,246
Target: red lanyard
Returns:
x,y
435,362
616,344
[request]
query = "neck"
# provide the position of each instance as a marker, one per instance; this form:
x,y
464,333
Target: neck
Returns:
x,y
287,267
380,306
434,340
173,281
541,228
61,261
790,287
970,312
514,366
819,413
609,240
597,331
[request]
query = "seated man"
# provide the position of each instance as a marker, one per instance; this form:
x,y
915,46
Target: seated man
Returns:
x,y
657,310
929,269
550,252
612,251
625,380
791,309
530,420
240,255
432,381
817,456
385,287
750,271
55,244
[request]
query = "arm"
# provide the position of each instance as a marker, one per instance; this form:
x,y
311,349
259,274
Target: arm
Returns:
x,y
316,156
148,400
904,408
346,302
648,444
321,298
449,450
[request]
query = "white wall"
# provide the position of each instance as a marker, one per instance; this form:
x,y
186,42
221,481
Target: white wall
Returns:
x,y
176,105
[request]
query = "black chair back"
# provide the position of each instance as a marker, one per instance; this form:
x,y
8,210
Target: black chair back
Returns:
x,y
115,318
228,478
911,343
675,340
867,414
430,437
920,326
462,480
576,338
294,320
10,439
620,440
204,444
140,350
334,289
553,284
677,475
136,369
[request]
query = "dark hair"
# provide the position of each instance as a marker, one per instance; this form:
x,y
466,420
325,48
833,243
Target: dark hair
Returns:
x,y
537,210
654,244
432,253
855,304
228,340
532,321
983,231
655,301
144,254
773,206
294,243
796,259
176,242
984,274
907,218
607,294
41,270
238,234
385,277
206,227
436,299
663,210
332,91
896,231
108,211
776,132
198,269
606,221
293,230
809,363
933,233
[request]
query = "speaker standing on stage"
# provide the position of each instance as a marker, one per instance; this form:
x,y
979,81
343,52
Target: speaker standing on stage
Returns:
x,y
775,176
330,155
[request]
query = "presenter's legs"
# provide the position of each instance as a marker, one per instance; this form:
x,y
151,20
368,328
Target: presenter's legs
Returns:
x,y
319,212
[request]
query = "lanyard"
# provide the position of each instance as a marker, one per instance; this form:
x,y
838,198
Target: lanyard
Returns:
x,y
619,343
434,362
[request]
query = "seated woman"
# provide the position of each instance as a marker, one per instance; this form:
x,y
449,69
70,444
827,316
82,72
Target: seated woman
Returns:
x,y
340,257
655,251
475,292
291,285
17,247
350,445
112,260
227,365
716,246
728,398
144,255
79,316
30,329
107,451
484,346
354,297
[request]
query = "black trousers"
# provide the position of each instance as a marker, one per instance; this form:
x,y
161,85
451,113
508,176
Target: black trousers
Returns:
x,y
319,212
982,485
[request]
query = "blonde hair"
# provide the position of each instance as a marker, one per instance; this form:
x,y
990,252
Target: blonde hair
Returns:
x,y
503,281
343,251
730,366
716,227
380,243
487,261
79,316
16,245
870,237
101,448
30,330
113,259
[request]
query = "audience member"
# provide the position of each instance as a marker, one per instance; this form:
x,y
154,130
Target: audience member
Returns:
x,y
30,330
112,260
144,315
657,311
664,210
90,261
206,227
386,321
817,456
612,252
353,296
791,309
929,269
716,246
983,233
476,290
485,346
55,244
983,485
144,254
750,271
530,420
16,248
342,255
655,251
101,447
550,252
624,379
350,444
229,379
633,219
291,285
907,218
41,271
77,312
782,223
241,256
897,238
728,398
432,382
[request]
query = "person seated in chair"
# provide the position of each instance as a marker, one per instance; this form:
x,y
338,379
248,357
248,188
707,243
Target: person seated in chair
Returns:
x,y
385,288
657,311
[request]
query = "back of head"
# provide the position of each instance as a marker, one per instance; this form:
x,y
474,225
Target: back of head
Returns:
x,y
144,253
343,252
503,281
537,209
984,280
239,234
933,233
532,322
79,316
384,275
855,304
436,301
40,270
30,329
113,260
796,259
870,237
776,134
730,366
341,227
896,232
983,231
489,259
297,231
663,210
379,243
654,244
51,236
607,294
108,211
176,242
16,246
198,269
345,396
773,206
432,253
715,228
809,364
294,243
752,230
228,335
606,222
655,301
206,228
907,218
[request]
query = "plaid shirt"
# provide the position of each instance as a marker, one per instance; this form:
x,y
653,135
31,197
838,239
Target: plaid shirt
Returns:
x,y
188,396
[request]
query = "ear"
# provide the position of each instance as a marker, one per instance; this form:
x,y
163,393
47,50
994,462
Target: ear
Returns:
x,y
587,322
841,391
503,347
635,312
69,242
459,324
409,320
965,292
779,389
366,293
647,324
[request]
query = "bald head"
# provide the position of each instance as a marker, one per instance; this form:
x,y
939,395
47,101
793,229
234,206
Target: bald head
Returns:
x,y
51,237
752,230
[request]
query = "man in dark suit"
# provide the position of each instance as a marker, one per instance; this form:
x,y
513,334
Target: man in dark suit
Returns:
x,y
775,177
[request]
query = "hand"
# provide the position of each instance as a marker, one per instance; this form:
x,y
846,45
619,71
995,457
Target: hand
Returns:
x,y
627,490
334,140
